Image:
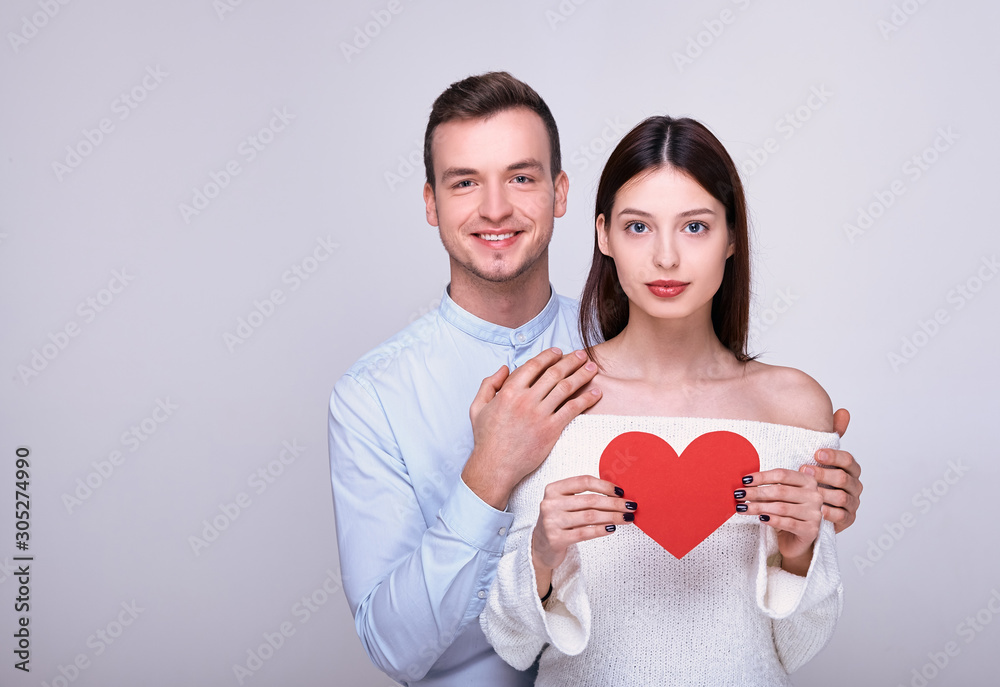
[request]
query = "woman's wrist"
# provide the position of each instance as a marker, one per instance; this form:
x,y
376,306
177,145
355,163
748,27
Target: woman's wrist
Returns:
x,y
797,565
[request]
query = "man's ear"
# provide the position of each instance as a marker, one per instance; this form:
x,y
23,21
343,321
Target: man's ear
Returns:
x,y
561,185
602,235
430,205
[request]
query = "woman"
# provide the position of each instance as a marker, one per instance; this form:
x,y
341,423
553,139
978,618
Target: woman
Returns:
x,y
668,297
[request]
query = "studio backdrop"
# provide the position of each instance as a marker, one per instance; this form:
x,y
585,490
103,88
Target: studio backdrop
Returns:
x,y
209,209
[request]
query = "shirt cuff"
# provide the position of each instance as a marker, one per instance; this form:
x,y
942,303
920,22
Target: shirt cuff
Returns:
x,y
474,520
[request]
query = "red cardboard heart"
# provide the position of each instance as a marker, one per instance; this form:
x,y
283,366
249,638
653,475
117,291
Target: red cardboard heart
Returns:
x,y
682,499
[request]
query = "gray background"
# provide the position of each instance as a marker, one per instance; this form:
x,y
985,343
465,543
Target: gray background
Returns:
x,y
346,170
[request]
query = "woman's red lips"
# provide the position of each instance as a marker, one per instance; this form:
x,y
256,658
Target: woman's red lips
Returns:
x,y
666,288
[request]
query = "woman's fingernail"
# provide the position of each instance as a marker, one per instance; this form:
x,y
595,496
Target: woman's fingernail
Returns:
x,y
765,518
740,493
741,508
629,517
747,480
609,528
631,505
619,491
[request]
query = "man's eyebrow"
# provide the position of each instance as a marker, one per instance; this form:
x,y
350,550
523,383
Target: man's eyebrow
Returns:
x,y
453,172
529,163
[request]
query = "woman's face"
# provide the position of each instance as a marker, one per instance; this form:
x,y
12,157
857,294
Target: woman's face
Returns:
x,y
669,240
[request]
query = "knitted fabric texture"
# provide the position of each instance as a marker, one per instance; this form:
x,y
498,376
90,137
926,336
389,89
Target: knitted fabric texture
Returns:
x,y
624,611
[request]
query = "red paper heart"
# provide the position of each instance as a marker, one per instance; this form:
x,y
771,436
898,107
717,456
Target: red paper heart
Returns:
x,y
682,499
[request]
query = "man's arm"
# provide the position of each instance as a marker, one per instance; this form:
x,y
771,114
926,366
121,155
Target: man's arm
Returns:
x,y
414,588
840,477
411,588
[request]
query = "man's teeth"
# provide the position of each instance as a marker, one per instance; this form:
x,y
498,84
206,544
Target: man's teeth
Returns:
x,y
496,237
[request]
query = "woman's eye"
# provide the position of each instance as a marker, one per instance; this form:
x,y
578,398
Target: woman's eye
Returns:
x,y
636,228
695,228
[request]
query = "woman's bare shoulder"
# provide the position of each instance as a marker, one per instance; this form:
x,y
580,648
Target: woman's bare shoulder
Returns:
x,y
791,397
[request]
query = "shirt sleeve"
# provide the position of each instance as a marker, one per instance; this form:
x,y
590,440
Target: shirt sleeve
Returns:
x,y
803,610
412,587
515,621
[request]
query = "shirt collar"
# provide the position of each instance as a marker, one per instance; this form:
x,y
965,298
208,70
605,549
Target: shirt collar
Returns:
x,y
494,333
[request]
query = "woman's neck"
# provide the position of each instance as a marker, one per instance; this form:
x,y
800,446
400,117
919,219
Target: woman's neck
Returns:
x,y
675,351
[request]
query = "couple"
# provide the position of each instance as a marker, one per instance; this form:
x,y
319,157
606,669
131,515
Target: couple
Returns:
x,y
424,500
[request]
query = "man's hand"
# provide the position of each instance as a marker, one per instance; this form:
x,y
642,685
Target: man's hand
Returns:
x,y
517,418
839,476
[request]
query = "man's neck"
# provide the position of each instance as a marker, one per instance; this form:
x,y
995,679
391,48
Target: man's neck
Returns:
x,y
509,304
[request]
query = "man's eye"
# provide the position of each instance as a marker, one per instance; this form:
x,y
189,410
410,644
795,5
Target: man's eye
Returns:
x,y
521,179
464,183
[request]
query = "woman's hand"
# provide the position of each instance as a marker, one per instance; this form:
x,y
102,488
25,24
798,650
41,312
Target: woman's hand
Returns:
x,y
566,516
791,503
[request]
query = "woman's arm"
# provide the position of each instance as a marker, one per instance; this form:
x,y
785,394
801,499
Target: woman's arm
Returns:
x,y
515,621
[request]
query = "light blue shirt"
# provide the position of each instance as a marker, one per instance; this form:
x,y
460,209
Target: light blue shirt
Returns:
x,y
418,549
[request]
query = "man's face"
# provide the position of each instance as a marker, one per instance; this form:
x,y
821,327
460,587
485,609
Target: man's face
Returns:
x,y
495,200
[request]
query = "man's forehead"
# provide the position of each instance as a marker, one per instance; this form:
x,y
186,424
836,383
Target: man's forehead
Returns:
x,y
507,136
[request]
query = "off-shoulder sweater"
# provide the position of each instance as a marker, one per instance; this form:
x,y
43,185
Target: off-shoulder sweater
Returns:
x,y
624,611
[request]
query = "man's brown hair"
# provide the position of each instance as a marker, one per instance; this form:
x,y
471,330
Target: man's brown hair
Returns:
x,y
482,96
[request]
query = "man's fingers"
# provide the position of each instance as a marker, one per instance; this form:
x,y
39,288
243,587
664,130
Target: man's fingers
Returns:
x,y
841,419
529,373
488,389
828,457
833,477
563,379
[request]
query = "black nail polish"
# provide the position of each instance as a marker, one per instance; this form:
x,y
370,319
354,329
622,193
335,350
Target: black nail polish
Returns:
x,y
741,508
765,518
609,528
631,505
740,493
629,517
619,491
747,480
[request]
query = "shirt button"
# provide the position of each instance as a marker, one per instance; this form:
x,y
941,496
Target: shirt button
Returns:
x,y
481,594
502,531
520,338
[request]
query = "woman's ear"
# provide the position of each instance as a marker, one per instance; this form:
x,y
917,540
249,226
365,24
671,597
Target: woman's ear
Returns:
x,y
732,245
602,235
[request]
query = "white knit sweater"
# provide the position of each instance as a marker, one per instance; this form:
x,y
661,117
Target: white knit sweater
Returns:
x,y
624,611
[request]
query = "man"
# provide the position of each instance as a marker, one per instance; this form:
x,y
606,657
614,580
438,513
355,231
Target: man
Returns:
x,y
419,491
